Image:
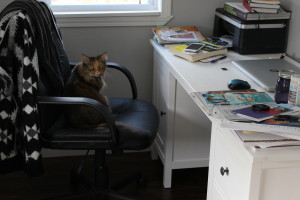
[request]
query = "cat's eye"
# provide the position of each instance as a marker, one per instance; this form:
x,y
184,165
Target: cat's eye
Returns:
x,y
91,67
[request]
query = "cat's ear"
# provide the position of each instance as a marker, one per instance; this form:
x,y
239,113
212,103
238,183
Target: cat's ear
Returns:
x,y
85,59
103,57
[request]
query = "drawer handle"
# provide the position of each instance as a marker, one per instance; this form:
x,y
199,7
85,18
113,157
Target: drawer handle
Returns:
x,y
162,113
224,171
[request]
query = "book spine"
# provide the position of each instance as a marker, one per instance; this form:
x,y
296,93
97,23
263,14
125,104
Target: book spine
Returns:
x,y
234,11
247,5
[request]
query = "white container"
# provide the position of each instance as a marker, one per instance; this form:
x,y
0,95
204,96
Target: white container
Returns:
x,y
294,93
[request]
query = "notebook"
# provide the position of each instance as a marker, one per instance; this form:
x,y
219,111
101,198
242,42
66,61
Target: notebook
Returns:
x,y
265,71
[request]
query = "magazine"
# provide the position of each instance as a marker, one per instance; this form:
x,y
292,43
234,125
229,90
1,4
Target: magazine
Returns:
x,y
173,35
237,98
221,103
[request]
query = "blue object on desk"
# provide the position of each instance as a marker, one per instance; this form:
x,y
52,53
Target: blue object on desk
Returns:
x,y
238,84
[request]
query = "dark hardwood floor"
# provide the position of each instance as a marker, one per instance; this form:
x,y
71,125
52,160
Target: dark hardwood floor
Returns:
x,y
187,184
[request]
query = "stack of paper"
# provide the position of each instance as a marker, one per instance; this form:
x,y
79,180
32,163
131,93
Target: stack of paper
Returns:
x,y
261,140
221,104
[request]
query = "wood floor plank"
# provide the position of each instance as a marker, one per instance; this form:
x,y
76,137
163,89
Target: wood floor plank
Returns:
x,y
187,184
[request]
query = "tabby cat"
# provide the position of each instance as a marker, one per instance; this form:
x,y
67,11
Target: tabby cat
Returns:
x,y
86,80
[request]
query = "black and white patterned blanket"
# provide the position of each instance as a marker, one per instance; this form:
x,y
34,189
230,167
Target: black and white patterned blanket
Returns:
x,y
19,125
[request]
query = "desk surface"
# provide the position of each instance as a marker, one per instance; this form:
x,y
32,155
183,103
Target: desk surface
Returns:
x,y
196,76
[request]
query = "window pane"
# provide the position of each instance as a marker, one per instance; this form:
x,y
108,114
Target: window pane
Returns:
x,y
90,2
93,13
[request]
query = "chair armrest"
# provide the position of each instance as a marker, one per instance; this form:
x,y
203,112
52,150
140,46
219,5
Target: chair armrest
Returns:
x,y
84,101
124,70
128,74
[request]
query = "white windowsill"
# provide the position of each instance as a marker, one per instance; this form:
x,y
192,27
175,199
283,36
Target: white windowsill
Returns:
x,y
94,19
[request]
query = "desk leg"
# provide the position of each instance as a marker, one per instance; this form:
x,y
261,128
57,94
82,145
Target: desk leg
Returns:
x,y
169,143
167,180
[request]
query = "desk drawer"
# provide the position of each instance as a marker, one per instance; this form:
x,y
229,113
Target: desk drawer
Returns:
x,y
231,170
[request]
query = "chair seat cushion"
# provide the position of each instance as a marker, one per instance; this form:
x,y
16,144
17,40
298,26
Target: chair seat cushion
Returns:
x,y
137,122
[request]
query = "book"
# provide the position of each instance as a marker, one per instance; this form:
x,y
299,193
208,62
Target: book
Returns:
x,y
183,34
265,10
246,4
266,1
237,9
249,113
207,51
249,3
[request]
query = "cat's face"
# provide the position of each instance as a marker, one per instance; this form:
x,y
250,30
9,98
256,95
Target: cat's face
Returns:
x,y
95,66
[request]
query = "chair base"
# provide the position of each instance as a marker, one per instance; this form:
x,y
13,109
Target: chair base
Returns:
x,y
99,188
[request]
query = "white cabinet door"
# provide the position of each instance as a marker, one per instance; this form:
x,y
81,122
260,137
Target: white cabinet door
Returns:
x,y
164,99
161,79
231,170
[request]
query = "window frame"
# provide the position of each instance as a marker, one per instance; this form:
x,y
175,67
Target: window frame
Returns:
x,y
159,15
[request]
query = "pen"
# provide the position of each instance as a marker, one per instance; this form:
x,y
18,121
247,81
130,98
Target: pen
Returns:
x,y
216,60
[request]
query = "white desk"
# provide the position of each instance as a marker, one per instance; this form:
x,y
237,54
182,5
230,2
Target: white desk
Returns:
x,y
188,137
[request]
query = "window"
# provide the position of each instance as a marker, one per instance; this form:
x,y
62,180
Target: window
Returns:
x,y
78,13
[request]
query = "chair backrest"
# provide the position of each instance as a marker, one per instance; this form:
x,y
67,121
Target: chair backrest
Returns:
x,y
61,67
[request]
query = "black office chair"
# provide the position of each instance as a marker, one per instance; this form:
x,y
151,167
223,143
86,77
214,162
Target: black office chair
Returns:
x,y
132,124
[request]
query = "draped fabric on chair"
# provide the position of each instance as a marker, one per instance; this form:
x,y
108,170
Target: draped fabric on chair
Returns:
x,y
25,54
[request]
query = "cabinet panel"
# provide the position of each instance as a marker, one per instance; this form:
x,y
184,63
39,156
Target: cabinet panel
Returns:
x,y
280,183
161,78
164,88
162,84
